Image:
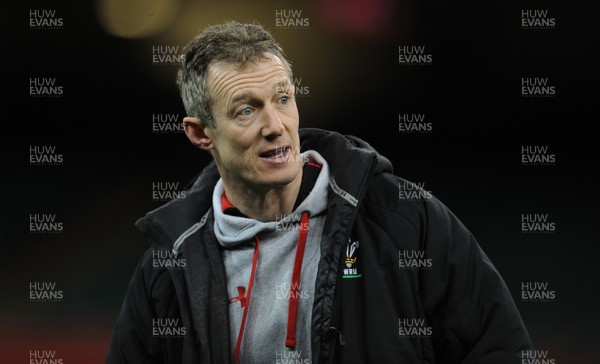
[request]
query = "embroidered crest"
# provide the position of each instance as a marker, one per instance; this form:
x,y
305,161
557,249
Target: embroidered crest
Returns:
x,y
351,261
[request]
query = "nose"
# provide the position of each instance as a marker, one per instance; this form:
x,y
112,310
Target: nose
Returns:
x,y
272,125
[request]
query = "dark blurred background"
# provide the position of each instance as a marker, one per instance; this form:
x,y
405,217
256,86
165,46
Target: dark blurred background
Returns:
x,y
345,54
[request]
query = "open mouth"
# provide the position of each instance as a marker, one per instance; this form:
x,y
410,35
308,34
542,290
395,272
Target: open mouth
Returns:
x,y
276,153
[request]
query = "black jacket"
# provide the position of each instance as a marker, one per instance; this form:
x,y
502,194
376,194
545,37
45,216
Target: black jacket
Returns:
x,y
454,307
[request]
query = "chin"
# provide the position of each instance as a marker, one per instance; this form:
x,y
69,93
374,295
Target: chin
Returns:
x,y
280,178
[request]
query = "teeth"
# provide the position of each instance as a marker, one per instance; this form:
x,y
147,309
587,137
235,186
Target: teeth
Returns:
x,y
277,152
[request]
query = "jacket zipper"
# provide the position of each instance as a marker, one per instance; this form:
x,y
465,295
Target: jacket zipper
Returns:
x,y
334,332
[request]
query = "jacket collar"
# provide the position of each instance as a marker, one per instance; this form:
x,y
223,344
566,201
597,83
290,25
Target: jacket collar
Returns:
x,y
352,161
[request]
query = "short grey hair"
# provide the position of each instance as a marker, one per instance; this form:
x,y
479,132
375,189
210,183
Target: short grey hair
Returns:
x,y
230,42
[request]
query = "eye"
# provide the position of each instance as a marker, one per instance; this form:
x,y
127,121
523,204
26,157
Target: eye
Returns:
x,y
245,111
284,99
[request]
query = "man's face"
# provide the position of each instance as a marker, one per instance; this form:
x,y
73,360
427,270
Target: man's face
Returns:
x,y
255,141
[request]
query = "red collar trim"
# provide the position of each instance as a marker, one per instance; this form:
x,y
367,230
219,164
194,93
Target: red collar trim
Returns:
x,y
225,204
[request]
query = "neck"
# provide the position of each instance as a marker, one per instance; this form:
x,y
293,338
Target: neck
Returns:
x,y
263,204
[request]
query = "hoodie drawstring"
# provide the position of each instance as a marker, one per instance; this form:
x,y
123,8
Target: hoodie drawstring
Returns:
x,y
290,340
245,301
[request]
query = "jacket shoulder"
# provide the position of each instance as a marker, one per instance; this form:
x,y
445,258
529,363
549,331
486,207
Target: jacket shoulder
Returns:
x,y
389,195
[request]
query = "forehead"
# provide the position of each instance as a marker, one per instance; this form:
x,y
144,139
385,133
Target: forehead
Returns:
x,y
225,78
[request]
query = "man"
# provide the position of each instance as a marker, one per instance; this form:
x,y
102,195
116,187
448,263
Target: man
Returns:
x,y
292,239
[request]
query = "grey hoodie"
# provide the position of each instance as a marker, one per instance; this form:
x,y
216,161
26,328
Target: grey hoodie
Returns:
x,y
266,325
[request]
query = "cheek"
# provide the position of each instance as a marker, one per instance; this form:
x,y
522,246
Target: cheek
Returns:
x,y
291,115
229,139
238,146
232,155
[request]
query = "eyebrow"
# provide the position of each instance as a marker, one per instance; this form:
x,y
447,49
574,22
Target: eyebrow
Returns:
x,y
244,96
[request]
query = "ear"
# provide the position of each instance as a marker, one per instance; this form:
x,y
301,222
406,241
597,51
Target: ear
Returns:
x,y
198,132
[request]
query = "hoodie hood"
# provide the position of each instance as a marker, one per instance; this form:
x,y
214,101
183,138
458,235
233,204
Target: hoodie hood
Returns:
x,y
231,230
